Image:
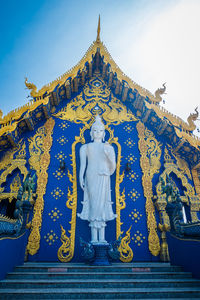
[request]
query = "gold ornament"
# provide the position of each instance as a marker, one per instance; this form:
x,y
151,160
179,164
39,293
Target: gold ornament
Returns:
x,y
64,252
39,160
126,253
149,162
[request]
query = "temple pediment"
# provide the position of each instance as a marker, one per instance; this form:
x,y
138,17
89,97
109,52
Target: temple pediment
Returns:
x,y
143,104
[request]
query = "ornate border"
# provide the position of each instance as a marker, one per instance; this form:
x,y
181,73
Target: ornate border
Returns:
x,y
148,169
41,164
66,250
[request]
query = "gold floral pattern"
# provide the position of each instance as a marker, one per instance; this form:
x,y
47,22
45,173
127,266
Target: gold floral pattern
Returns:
x,y
138,238
128,128
60,156
55,214
131,158
57,193
129,143
133,194
39,148
150,163
64,125
50,237
62,140
135,215
132,175
59,174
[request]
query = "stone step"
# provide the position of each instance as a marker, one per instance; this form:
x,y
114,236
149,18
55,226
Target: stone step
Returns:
x,y
97,275
58,267
98,283
102,293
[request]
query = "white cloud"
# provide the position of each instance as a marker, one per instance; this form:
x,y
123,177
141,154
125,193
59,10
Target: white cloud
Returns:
x,y
169,51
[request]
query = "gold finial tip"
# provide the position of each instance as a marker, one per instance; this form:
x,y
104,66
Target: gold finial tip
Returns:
x,y
98,31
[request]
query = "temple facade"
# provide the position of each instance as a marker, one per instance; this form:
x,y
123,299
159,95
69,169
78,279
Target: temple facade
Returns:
x,y
39,151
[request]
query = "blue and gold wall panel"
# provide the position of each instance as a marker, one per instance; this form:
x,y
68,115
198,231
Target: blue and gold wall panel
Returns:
x,y
60,228
52,152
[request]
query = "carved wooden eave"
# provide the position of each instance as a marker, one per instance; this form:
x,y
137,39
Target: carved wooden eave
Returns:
x,y
144,105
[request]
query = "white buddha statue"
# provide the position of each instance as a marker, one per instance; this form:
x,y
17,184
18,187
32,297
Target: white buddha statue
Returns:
x,y
97,164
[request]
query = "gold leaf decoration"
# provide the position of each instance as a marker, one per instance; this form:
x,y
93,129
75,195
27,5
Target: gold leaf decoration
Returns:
x,y
40,158
126,253
80,111
149,169
64,252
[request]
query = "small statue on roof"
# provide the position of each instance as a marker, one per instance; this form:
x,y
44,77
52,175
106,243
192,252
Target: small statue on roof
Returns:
x,y
192,118
160,92
30,86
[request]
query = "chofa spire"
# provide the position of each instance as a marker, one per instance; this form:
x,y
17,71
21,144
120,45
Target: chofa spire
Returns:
x,y
98,31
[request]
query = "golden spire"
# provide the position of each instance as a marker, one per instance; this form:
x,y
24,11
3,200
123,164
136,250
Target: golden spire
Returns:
x,y
98,31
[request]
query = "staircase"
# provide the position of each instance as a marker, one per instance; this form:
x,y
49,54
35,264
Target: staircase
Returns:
x,y
80,281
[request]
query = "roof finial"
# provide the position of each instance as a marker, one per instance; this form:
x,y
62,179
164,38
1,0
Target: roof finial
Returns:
x,y
98,31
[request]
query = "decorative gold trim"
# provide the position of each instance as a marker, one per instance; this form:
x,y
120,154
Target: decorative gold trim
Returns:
x,y
16,163
8,165
12,238
11,120
64,252
164,253
72,73
81,111
98,31
182,165
126,253
196,181
189,192
40,161
148,169
177,122
172,167
68,243
120,197
72,195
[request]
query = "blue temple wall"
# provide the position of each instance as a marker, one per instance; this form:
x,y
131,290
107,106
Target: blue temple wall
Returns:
x,y
12,253
55,212
184,253
57,187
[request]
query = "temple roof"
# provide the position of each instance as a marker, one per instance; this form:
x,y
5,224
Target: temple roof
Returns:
x,y
143,104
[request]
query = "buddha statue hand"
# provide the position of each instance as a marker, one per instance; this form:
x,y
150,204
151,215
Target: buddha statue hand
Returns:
x,y
107,149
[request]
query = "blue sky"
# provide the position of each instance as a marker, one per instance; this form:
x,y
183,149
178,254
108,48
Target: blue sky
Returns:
x,y
151,41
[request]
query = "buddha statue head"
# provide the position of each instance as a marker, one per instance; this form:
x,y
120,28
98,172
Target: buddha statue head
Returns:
x,y
97,131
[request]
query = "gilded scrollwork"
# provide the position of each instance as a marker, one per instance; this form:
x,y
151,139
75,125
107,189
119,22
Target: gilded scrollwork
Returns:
x,y
150,163
12,160
182,164
172,167
16,163
196,180
16,183
68,243
40,147
72,193
189,196
120,197
126,253
64,252
80,110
